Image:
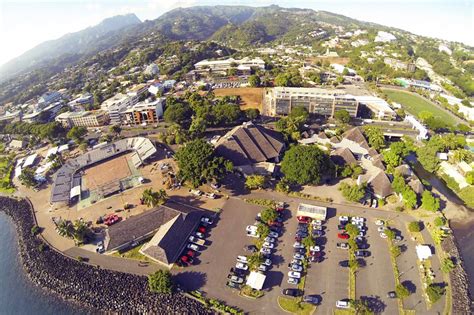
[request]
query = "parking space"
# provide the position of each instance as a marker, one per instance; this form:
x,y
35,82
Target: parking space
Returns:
x,y
375,279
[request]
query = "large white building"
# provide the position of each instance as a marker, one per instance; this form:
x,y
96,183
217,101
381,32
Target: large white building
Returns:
x,y
117,105
83,119
378,106
221,66
145,112
325,102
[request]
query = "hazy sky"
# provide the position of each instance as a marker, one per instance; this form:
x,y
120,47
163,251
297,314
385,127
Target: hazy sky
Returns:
x,y
26,23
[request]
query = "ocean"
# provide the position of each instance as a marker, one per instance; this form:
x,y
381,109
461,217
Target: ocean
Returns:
x,y
17,294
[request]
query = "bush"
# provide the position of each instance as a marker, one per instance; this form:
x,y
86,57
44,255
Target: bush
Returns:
x,y
399,209
402,291
448,264
439,221
255,182
42,247
414,226
35,229
160,282
435,291
395,250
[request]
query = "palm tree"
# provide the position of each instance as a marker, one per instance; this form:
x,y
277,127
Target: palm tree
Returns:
x,y
65,229
153,198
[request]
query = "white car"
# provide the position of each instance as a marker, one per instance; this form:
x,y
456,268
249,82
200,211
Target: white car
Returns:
x,y
196,240
268,245
314,248
266,251
380,229
199,234
262,268
343,218
294,274
207,220
383,235
317,222
194,247
343,304
270,239
298,245
242,259
236,279
267,262
379,222
296,267
293,281
253,234
298,256
242,266
296,261
250,228
273,234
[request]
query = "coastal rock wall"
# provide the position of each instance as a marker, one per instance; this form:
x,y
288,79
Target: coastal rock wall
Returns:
x,y
92,287
459,279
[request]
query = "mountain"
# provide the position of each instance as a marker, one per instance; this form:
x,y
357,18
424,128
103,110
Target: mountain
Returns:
x,y
89,40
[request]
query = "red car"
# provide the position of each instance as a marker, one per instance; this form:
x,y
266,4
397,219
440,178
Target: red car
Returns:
x,y
303,219
111,219
343,236
186,260
190,253
202,229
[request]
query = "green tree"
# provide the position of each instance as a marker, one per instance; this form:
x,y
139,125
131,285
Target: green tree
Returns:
x,y
116,129
427,157
342,116
308,242
283,186
429,202
269,215
409,197
425,116
439,221
255,260
178,113
402,291
65,228
352,230
263,230
198,126
299,112
252,113
435,291
154,198
77,134
375,137
198,164
395,250
255,182
391,158
27,177
305,164
80,231
254,80
414,226
390,234
398,183
160,282
447,264
353,192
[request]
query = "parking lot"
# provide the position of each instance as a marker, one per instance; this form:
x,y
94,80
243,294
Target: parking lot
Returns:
x,y
327,279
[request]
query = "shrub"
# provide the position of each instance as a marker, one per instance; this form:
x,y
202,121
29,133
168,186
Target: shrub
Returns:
x,y
402,291
414,226
160,282
435,291
448,264
395,250
35,229
439,221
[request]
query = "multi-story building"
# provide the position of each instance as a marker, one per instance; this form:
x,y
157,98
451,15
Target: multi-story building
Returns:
x,y
49,97
325,102
83,119
221,66
117,105
145,112
378,106
137,91
400,65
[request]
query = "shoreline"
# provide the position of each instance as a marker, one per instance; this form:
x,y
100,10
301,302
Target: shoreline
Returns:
x,y
93,288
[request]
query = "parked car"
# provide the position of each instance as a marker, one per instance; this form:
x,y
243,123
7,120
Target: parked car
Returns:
x,y
314,248
342,245
343,304
253,234
276,229
273,234
201,229
100,247
344,263
233,285
292,292
207,220
262,268
383,235
296,261
298,245
269,239
343,236
294,274
312,299
296,267
302,251
362,253
280,206
190,253
242,259
392,295
298,256
242,266
250,228
343,219
380,229
317,233
268,245
265,251
379,222
341,227
316,254
317,222
186,260
194,247
196,240
303,219
199,234
316,259
398,238
293,281
267,262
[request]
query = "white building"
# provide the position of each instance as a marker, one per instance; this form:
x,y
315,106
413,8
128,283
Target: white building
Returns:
x,y
116,105
423,132
340,69
384,37
222,66
378,106
152,69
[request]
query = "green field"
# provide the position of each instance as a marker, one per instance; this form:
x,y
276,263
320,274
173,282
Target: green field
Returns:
x,y
6,169
415,104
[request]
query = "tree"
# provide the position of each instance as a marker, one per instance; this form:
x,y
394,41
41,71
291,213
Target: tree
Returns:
x,y
353,263
255,260
254,80
268,215
308,242
470,178
65,228
427,157
463,128
252,113
402,291
352,193
300,112
425,116
390,234
153,198
77,134
342,116
414,226
361,307
283,186
439,221
178,113
435,291
398,183
116,129
429,202
255,182
263,230
375,137
409,197
305,164
198,164
395,250
80,231
462,155
198,126
391,158
27,177
352,230
160,282
448,264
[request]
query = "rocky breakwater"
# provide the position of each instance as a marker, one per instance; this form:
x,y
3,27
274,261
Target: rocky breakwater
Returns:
x,y
89,286
459,279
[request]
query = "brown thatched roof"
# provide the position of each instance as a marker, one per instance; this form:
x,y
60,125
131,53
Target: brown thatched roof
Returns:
x,y
377,162
342,156
417,186
381,185
404,170
356,135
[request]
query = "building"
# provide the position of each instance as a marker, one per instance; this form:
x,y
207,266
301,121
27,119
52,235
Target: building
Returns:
x,y
116,105
137,91
243,66
419,84
378,106
399,65
422,130
380,185
17,144
256,280
43,113
156,88
384,37
250,144
312,211
325,102
152,70
49,97
83,119
145,112
82,100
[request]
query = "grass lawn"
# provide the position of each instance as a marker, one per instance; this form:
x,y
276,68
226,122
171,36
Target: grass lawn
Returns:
x,y
415,104
133,254
293,305
6,169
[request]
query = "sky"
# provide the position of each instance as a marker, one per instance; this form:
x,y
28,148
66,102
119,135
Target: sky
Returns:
x,y
27,23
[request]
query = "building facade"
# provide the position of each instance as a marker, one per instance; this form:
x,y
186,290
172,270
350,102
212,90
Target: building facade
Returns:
x,y
325,102
83,119
221,66
144,113
117,105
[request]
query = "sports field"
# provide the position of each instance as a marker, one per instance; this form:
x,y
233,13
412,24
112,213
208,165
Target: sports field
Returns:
x,y
107,172
250,97
415,104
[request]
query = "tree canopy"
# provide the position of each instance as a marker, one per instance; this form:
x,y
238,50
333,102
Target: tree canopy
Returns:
x,y
429,202
305,164
198,164
160,282
375,137
352,192
342,116
255,181
77,134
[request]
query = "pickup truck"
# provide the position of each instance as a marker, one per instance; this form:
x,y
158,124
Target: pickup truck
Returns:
x,y
196,240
